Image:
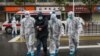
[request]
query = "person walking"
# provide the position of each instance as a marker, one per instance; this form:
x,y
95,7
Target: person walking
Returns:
x,y
41,27
55,30
28,31
73,30
14,26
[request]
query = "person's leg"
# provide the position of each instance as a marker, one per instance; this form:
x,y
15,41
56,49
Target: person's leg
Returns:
x,y
71,45
57,44
52,47
77,37
27,44
77,43
15,30
44,42
12,31
31,44
57,47
38,47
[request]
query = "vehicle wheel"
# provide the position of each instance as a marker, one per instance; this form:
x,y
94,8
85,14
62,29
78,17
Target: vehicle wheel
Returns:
x,y
8,30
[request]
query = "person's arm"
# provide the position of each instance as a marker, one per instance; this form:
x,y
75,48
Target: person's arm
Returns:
x,y
36,24
66,27
50,30
79,27
33,20
45,24
22,28
61,28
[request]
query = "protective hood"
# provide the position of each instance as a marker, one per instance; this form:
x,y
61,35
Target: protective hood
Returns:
x,y
53,17
13,19
71,15
27,14
40,16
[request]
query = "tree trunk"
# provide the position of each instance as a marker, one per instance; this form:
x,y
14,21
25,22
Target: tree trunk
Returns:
x,y
90,8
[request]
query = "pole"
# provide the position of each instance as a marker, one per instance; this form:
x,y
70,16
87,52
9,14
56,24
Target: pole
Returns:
x,y
74,7
35,1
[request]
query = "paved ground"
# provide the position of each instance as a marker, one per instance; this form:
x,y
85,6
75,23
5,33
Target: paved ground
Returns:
x,y
19,48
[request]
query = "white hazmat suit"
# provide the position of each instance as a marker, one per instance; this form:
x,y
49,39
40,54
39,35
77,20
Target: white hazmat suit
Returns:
x,y
28,31
55,28
14,27
73,29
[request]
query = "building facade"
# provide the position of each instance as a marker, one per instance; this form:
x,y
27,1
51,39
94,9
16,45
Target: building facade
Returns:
x,y
80,8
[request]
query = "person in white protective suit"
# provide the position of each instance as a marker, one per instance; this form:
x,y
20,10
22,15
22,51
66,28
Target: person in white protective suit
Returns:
x,y
73,29
14,27
55,28
81,21
28,31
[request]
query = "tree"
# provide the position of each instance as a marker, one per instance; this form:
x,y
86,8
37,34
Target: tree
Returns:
x,y
22,2
19,2
61,3
90,4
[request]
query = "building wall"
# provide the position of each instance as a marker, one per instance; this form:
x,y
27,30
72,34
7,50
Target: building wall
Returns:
x,y
49,3
2,17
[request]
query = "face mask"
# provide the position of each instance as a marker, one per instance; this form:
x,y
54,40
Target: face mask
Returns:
x,y
14,18
70,16
40,18
54,19
27,15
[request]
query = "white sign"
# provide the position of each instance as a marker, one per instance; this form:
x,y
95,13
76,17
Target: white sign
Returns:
x,y
49,8
2,3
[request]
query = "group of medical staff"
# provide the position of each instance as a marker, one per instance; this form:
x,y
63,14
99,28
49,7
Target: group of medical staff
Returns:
x,y
37,31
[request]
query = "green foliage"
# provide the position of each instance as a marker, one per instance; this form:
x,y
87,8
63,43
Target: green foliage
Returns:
x,y
19,2
84,1
90,4
31,0
60,1
90,1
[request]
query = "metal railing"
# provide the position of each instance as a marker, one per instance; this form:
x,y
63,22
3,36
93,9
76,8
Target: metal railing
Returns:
x,y
90,29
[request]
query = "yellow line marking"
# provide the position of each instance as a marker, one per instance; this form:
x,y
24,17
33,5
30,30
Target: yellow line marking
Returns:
x,y
84,38
65,38
17,39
